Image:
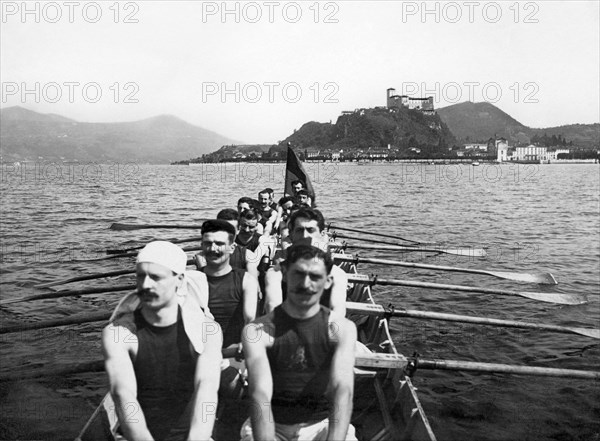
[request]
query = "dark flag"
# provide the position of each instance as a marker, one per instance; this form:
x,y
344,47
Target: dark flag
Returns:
x,y
295,171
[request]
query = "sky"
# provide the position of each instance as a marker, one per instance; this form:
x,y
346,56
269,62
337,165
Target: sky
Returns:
x,y
257,71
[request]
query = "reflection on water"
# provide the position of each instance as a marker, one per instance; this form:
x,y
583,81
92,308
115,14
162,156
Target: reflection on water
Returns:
x,y
530,218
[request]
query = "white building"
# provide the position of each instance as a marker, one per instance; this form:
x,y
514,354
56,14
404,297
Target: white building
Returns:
x,y
482,147
536,153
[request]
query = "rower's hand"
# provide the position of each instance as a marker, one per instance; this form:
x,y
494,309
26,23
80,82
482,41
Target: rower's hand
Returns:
x,y
239,355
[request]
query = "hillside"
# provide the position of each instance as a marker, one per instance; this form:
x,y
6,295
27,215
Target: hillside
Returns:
x,y
375,129
28,135
477,122
472,122
228,152
582,135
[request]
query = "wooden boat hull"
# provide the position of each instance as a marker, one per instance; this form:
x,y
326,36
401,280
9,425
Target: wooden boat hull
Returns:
x,y
386,405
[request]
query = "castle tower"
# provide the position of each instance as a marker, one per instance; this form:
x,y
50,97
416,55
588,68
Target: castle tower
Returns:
x,y
388,99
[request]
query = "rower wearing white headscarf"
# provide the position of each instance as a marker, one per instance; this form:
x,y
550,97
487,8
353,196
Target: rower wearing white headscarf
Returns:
x,y
162,352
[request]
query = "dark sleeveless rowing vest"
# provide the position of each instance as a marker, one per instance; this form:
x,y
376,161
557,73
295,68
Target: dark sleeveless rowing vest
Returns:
x,y
265,215
164,369
252,244
238,257
300,360
226,304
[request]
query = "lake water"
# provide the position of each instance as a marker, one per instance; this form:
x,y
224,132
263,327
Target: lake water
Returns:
x,y
530,217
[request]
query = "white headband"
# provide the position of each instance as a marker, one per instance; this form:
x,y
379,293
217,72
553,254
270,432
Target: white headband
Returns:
x,y
164,253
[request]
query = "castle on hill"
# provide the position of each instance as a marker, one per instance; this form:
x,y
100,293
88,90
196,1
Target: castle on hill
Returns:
x,y
425,105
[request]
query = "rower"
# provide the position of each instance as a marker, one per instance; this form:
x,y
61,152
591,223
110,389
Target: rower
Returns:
x,y
162,354
302,197
272,203
232,292
241,257
267,213
245,204
284,208
248,231
297,187
306,225
300,359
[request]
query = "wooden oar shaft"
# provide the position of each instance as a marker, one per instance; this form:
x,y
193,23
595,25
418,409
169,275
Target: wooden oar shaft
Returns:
x,y
131,254
337,227
375,360
362,308
73,293
351,307
129,227
94,276
90,366
565,299
466,252
73,320
457,365
543,278
126,250
86,277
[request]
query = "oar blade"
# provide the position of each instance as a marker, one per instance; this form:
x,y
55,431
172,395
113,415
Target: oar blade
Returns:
x,y
125,227
593,333
550,297
465,252
539,278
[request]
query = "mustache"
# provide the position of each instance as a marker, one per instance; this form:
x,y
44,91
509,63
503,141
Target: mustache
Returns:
x,y
144,292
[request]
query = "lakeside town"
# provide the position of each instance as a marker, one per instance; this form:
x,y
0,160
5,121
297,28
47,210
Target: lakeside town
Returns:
x,y
350,144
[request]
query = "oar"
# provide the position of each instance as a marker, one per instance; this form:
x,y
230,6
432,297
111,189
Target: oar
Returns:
x,y
497,368
565,299
397,361
93,277
540,278
73,320
126,250
351,307
337,227
467,252
393,361
378,310
79,368
58,294
128,227
131,254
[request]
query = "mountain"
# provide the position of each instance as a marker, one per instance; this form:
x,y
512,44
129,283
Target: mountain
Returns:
x,y
478,122
472,122
582,135
364,129
28,135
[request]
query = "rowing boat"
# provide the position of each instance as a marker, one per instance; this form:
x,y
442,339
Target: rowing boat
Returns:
x,y
386,405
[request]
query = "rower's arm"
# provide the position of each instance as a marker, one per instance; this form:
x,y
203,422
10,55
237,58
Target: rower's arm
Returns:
x,y
341,381
273,290
254,339
206,383
250,287
270,223
253,259
337,302
123,385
